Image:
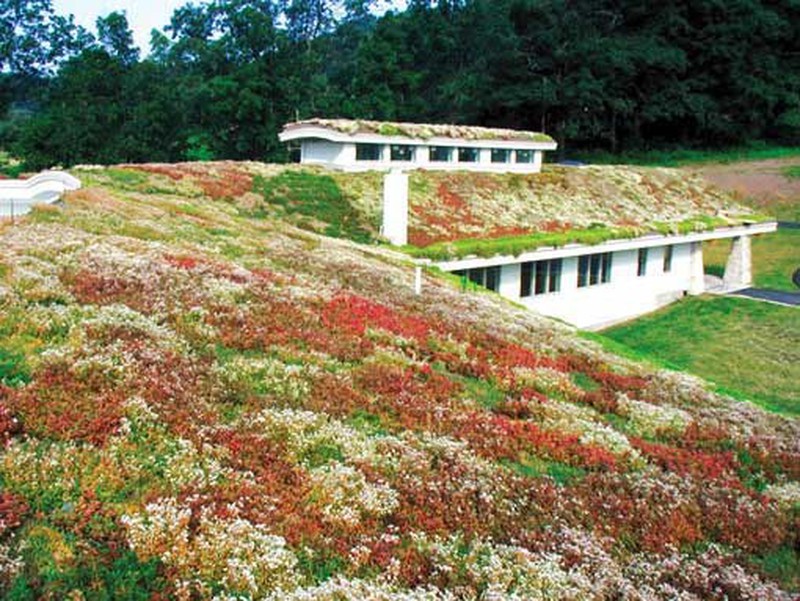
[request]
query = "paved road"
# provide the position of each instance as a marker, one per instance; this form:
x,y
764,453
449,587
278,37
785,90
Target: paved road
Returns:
x,y
777,296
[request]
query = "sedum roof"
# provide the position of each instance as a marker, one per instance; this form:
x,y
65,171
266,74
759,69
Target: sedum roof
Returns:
x,y
446,207
423,131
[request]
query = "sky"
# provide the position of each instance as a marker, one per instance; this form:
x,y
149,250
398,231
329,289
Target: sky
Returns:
x,y
143,15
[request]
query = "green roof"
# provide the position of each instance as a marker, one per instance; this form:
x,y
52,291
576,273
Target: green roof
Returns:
x,y
424,131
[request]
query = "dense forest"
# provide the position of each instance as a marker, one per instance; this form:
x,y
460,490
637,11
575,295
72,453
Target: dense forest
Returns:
x,y
223,76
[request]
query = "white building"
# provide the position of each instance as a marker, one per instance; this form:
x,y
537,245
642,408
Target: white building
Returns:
x,y
595,286
369,145
589,286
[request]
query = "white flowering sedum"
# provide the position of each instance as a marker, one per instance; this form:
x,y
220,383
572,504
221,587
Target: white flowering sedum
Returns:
x,y
653,420
241,556
347,497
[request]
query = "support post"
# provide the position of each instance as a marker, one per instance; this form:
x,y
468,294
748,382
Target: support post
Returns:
x,y
697,283
739,268
418,280
395,207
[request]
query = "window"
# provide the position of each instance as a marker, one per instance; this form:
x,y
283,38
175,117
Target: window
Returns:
x,y
401,152
540,277
641,265
524,156
467,155
594,269
667,259
440,154
488,277
368,152
500,155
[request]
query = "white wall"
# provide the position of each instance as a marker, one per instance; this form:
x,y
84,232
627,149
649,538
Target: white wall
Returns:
x,y
626,295
323,152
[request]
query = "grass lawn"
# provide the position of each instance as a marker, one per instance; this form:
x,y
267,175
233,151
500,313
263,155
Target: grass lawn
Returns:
x,y
750,349
685,156
775,257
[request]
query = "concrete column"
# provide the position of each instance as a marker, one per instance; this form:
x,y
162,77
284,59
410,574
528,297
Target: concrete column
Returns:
x,y
696,273
395,207
537,161
739,268
509,281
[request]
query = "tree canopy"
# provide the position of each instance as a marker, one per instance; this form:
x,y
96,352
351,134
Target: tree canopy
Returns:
x,y
224,75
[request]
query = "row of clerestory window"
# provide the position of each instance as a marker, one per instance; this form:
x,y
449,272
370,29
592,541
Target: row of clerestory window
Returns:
x,y
441,154
544,277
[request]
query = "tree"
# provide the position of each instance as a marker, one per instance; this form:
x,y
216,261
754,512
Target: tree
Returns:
x,y
114,35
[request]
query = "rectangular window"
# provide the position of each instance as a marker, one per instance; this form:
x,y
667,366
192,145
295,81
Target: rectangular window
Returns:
x,y
525,279
594,269
488,277
667,259
500,155
440,154
368,152
402,153
467,155
641,264
606,274
540,277
524,156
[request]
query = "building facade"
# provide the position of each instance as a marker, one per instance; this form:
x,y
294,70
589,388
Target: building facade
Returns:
x,y
595,286
369,145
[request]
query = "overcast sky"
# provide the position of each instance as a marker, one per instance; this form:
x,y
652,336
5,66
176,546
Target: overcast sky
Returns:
x,y
143,15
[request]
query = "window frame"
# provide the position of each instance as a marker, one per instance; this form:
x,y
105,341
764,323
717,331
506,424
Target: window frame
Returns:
x,y
396,148
667,261
594,269
464,150
498,152
447,149
540,277
517,157
366,145
641,262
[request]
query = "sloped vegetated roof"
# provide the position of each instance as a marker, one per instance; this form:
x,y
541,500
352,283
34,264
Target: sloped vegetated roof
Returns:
x,y
630,201
423,131
202,399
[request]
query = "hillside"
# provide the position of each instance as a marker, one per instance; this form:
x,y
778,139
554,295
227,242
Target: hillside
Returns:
x,y
200,400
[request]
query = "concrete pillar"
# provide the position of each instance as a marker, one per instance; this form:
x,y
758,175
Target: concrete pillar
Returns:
x,y
696,273
537,161
739,268
395,207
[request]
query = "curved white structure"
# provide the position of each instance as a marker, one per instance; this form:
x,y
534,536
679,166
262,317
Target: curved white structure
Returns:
x,y
17,196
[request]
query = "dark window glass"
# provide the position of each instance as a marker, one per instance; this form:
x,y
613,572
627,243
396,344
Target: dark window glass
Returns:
x,y
440,154
500,155
541,277
402,152
583,271
593,269
641,266
524,156
493,278
467,155
667,259
368,152
555,276
606,275
525,279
